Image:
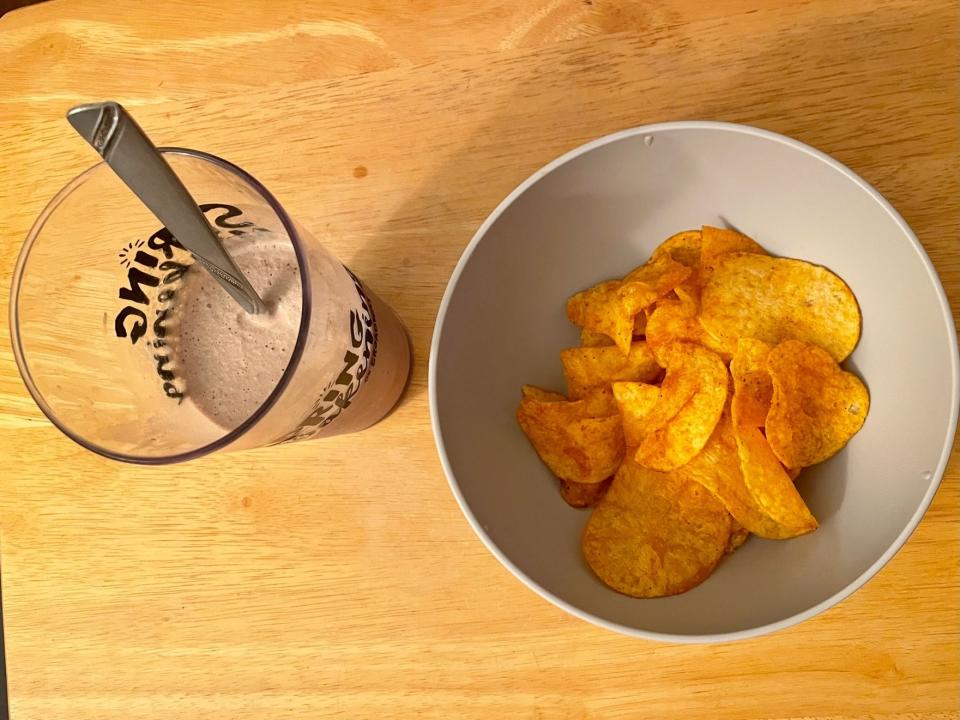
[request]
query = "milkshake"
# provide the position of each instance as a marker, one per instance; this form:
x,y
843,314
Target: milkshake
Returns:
x,y
135,352
230,362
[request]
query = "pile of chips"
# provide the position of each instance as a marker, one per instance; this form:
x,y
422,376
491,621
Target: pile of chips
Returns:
x,y
705,381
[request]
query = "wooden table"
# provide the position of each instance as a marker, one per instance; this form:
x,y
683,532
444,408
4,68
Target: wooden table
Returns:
x,y
338,578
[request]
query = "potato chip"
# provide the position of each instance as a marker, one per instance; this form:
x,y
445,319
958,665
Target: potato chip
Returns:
x,y
777,299
588,338
575,447
752,387
532,391
692,398
581,495
717,242
661,274
677,321
587,367
640,322
738,536
717,468
769,485
636,401
598,401
654,534
609,308
684,247
817,407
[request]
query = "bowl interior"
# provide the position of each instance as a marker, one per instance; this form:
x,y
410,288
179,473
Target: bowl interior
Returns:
x,y
596,215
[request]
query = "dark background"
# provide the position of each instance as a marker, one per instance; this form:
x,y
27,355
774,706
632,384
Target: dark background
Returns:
x,y
7,6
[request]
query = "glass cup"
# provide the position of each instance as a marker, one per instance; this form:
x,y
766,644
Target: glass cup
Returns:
x,y
133,351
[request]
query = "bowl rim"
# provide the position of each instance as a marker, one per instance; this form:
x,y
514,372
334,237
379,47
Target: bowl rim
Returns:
x,y
796,618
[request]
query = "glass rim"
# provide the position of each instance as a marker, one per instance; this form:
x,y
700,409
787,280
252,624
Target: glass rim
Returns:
x,y
229,437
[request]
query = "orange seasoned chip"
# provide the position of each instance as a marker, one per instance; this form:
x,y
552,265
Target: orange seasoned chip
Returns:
x,y
588,338
677,321
598,401
717,468
609,308
581,495
817,407
654,534
769,485
777,299
636,401
738,536
588,367
684,247
532,391
640,322
660,274
692,398
717,242
575,446
752,387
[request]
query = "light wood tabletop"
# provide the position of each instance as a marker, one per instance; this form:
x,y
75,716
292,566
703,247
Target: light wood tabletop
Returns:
x,y
338,578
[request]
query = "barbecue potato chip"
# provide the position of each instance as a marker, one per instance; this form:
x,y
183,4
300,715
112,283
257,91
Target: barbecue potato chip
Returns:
x,y
752,386
609,308
817,407
684,247
581,495
769,485
532,391
677,321
588,367
598,401
692,398
738,536
588,338
716,242
636,401
661,274
777,299
717,468
654,534
575,447
640,322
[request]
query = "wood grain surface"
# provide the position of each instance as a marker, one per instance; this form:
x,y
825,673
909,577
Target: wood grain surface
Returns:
x,y
338,578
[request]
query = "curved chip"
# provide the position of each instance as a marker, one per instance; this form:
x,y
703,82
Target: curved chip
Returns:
x,y
640,322
574,446
769,485
738,536
532,391
588,338
817,407
654,534
635,401
717,242
752,386
677,321
692,398
661,274
684,247
598,401
777,299
581,495
589,367
717,468
609,308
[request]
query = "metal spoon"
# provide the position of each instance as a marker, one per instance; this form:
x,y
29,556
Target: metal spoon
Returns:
x,y
128,151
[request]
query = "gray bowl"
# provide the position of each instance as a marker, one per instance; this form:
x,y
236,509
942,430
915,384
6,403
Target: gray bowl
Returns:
x,y
597,212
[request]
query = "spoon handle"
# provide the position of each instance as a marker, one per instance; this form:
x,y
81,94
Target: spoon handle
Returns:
x,y
128,151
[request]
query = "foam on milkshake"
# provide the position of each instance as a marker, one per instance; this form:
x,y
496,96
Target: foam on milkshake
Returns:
x,y
229,359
